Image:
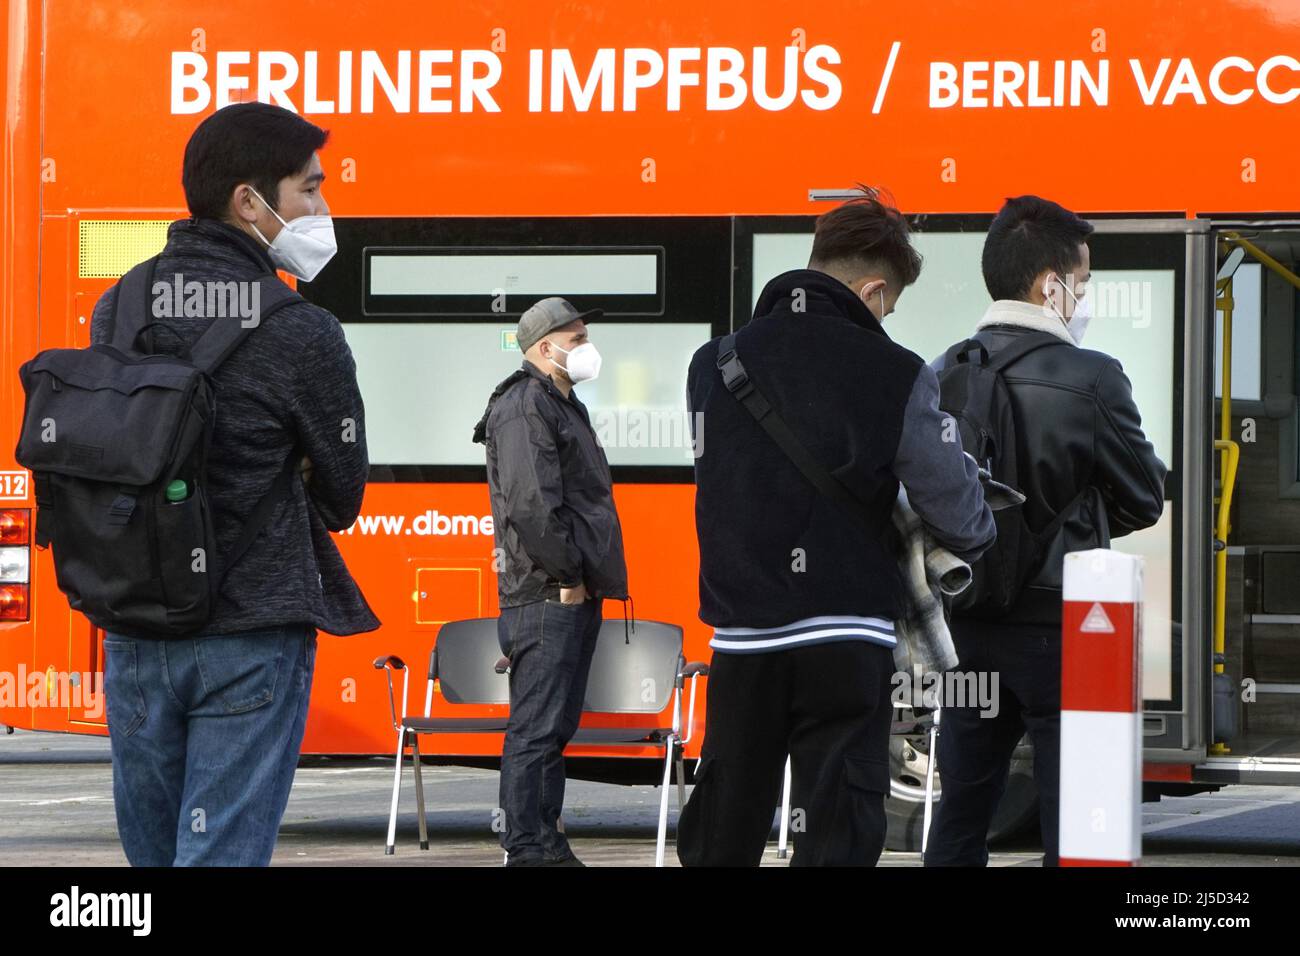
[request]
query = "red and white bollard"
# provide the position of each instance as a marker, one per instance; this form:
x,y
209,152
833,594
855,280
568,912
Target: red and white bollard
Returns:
x,y
1101,710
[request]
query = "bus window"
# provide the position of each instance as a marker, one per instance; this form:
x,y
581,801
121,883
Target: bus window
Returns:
x,y
1247,353
419,298
423,394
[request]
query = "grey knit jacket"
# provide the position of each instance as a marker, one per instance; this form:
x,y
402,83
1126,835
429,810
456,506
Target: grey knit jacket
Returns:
x,y
289,390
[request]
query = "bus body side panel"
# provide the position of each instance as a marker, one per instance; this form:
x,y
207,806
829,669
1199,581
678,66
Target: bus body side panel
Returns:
x,y
414,582
20,160
100,134
121,104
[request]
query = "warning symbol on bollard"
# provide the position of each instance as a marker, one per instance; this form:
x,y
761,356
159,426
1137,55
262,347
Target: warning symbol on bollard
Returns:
x,y
1097,622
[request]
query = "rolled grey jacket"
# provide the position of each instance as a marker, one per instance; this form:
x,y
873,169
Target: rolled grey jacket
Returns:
x,y
552,496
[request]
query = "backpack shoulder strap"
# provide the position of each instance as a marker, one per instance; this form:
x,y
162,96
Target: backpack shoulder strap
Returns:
x,y
131,309
747,393
218,341
999,362
1045,536
279,490
222,336
1024,344
962,352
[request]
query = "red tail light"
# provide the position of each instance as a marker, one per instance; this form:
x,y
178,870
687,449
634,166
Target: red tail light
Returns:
x,y
15,526
13,602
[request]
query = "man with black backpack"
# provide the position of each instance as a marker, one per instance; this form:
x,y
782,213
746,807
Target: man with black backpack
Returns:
x,y
189,467
1058,423
809,417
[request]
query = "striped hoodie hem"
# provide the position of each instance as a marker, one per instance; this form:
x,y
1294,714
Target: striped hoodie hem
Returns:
x,y
811,630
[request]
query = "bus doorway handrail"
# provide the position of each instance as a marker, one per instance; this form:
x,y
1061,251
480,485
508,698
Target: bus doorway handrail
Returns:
x,y
1229,449
1236,239
1229,458
1232,452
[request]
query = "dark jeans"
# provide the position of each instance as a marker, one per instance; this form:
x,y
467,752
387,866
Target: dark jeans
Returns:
x,y
550,646
205,735
975,751
828,707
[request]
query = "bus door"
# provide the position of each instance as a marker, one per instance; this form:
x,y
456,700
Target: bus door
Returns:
x,y
1145,303
429,307
1254,692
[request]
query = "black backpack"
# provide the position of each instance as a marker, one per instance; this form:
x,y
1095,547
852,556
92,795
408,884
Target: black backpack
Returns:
x,y
117,440
973,391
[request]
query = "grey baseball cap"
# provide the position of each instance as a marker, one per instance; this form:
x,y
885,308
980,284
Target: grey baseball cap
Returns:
x,y
545,317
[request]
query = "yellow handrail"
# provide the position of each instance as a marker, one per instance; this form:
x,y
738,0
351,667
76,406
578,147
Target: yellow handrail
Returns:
x,y
1229,459
1229,477
1234,239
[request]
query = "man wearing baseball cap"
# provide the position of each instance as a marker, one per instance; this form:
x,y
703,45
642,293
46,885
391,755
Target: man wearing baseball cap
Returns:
x,y
559,550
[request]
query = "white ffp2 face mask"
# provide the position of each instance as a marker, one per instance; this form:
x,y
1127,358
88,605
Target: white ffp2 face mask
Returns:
x,y
583,362
303,246
1077,323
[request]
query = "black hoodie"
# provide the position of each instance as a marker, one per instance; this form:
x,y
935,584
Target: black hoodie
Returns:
x,y
773,550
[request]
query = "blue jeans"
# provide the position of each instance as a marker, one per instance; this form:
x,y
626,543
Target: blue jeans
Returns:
x,y
550,646
205,736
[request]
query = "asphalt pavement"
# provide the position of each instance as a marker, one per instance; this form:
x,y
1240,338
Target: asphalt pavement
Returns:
x,y
56,809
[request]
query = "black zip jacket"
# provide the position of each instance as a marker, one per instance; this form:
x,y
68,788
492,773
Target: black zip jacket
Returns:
x,y
552,496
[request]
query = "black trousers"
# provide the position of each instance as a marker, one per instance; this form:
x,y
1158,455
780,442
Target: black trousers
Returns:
x,y
975,749
828,707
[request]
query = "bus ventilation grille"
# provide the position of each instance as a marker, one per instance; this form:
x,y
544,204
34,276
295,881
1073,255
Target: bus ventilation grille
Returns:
x,y
107,248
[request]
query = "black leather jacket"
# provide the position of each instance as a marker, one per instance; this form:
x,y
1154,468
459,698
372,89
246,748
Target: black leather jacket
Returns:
x,y
1078,430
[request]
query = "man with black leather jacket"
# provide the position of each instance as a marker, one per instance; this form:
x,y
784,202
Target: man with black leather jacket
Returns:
x,y
1080,449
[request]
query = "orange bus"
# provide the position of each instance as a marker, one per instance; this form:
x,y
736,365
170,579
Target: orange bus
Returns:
x,y
661,162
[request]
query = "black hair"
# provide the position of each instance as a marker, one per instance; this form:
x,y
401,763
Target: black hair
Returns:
x,y
255,143
1029,236
863,235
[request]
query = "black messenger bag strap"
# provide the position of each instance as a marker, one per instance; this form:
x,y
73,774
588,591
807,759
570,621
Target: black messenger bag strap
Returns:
x,y
747,393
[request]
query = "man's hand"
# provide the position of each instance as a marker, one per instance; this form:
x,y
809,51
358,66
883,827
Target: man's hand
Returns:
x,y
304,469
573,595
